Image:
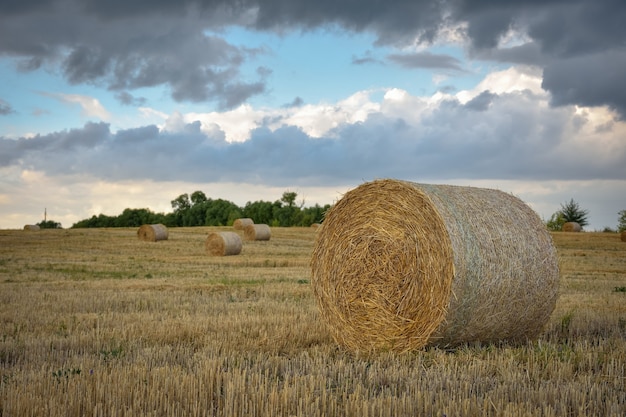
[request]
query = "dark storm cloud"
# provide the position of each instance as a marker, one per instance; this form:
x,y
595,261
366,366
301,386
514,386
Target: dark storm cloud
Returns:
x,y
481,102
587,32
513,139
297,102
528,54
128,99
5,108
583,37
595,79
127,45
426,60
367,58
124,53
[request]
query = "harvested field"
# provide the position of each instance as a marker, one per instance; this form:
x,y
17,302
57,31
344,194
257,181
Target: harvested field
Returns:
x,y
96,322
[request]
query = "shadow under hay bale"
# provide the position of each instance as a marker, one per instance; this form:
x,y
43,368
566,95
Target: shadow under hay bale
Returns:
x,y
257,232
152,232
240,224
623,236
32,227
400,266
223,244
571,227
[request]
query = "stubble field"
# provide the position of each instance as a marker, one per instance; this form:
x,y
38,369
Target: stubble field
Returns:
x,y
95,322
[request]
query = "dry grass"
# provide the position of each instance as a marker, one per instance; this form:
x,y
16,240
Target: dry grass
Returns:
x,y
95,322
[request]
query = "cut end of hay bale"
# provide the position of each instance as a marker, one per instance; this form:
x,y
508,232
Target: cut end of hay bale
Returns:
x,y
240,224
152,232
571,227
223,244
257,232
32,227
400,265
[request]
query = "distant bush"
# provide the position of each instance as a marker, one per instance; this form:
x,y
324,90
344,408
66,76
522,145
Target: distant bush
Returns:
x,y
49,224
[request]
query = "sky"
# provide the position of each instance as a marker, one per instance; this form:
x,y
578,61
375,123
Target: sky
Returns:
x,y
107,105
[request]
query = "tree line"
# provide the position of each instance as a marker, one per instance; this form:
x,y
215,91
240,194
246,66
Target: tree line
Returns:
x,y
196,209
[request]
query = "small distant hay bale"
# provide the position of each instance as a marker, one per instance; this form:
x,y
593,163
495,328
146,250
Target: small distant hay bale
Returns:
x,y
152,232
257,232
571,227
623,236
315,225
223,244
399,266
32,227
240,224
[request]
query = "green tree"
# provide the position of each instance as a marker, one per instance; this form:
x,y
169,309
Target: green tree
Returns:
x,y
262,212
181,203
221,213
194,215
621,221
571,212
287,214
556,222
198,197
102,220
135,218
49,224
289,198
314,214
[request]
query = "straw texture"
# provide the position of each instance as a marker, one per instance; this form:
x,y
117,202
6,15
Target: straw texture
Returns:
x,y
223,244
571,227
152,232
240,224
31,227
257,232
400,266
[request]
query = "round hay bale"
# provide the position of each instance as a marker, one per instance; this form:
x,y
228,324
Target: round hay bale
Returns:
x,y
240,224
623,236
223,244
32,227
571,227
400,265
152,232
257,232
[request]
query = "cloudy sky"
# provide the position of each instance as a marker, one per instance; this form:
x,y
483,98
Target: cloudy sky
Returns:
x,y
106,105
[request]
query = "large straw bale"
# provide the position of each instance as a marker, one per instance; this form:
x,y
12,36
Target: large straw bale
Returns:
x,y
571,227
152,232
223,244
32,227
257,232
241,223
399,265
